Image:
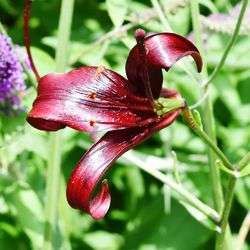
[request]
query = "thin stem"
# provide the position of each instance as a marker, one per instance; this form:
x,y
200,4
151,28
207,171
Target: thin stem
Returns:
x,y
195,13
183,193
210,126
190,120
52,190
220,240
230,44
208,110
3,162
215,148
54,158
243,162
140,36
161,15
244,229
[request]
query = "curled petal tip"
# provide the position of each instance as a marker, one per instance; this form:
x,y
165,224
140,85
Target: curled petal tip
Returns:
x,y
198,60
101,203
79,193
100,157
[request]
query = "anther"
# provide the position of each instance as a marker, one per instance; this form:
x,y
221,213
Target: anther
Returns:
x,y
99,70
92,123
92,95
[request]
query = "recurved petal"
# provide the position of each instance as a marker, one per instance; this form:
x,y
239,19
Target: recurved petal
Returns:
x,y
97,161
88,99
162,50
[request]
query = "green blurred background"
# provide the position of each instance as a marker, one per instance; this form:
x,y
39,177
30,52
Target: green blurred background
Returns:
x,y
144,213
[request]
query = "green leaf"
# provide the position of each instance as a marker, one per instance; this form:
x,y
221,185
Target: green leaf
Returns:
x,y
242,192
117,10
152,227
29,212
11,124
103,240
202,218
30,139
181,20
8,7
43,61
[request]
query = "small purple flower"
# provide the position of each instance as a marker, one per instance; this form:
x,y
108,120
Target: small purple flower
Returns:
x,y
12,84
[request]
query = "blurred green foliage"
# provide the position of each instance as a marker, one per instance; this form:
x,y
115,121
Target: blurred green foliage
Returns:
x,y
138,218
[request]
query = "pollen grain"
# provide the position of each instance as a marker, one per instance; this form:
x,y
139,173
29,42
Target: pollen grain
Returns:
x,y
99,70
92,123
92,95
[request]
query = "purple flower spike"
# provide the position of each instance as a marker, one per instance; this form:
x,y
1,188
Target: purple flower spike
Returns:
x,y
12,83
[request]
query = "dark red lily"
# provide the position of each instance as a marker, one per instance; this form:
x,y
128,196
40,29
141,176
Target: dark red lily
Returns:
x,y
91,99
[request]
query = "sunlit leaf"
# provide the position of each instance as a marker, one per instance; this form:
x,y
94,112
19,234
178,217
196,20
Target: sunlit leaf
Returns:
x,y
117,11
29,213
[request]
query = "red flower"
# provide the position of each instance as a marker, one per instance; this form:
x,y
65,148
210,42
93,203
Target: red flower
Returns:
x,y
91,99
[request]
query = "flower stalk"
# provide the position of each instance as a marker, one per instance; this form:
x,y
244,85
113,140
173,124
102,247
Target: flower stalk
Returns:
x,y
193,124
208,110
220,243
54,157
223,239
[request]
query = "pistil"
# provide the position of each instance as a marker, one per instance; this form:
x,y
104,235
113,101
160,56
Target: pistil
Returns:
x,y
27,37
140,37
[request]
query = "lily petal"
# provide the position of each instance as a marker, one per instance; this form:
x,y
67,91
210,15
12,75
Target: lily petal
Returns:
x,y
97,161
163,51
88,99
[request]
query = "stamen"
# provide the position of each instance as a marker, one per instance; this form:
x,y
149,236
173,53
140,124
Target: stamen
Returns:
x,y
92,123
140,36
27,36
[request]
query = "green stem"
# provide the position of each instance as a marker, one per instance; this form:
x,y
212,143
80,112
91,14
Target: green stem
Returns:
x,y
182,192
190,120
3,163
208,110
187,115
220,240
230,44
54,157
243,162
244,229
195,14
210,127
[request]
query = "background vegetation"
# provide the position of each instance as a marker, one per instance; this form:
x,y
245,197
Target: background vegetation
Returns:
x,y
144,213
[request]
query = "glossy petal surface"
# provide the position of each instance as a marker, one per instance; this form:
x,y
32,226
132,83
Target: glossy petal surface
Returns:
x,y
97,161
162,50
88,99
